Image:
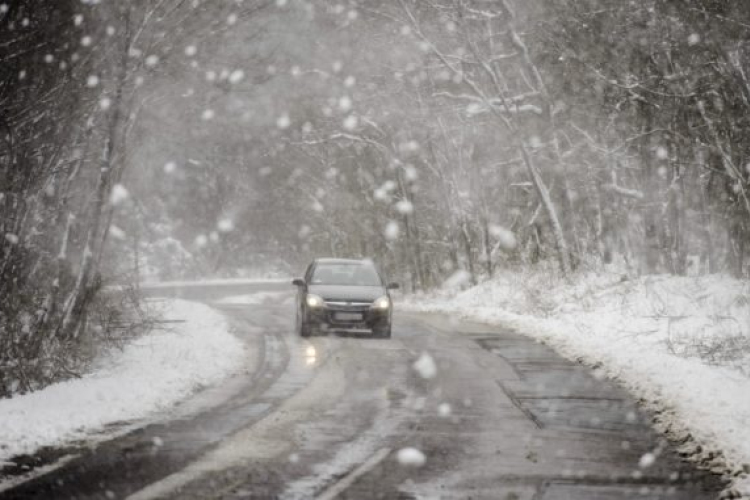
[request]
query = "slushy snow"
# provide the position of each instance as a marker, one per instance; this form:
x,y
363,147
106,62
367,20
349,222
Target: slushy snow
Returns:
x,y
682,344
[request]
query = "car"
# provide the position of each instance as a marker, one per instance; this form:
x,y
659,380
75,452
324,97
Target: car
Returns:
x,y
343,295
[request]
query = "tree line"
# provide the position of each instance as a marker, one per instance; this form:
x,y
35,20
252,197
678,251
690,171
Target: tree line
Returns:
x,y
443,136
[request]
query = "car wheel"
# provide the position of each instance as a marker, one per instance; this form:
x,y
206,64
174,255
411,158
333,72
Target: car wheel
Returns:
x,y
303,329
384,332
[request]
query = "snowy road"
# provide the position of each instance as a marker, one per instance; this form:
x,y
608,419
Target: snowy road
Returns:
x,y
496,416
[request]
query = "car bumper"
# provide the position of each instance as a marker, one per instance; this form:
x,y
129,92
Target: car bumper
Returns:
x,y
348,320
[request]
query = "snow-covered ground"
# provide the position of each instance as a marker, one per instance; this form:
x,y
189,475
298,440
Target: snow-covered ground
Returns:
x,y
147,376
220,281
257,298
681,344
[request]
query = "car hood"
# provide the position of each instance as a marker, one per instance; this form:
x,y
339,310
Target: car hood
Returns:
x,y
347,292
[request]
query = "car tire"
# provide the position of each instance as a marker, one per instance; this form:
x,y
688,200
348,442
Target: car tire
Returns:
x,y
383,332
303,329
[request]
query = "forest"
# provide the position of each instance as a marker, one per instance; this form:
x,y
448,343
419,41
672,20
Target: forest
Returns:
x,y
175,139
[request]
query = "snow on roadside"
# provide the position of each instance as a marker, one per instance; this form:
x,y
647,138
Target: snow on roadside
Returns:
x,y
150,374
681,344
257,298
156,285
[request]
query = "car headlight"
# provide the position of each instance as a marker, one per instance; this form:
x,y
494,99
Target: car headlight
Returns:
x,y
314,301
382,303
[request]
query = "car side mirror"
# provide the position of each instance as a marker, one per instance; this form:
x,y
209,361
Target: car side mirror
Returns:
x,y
298,282
393,286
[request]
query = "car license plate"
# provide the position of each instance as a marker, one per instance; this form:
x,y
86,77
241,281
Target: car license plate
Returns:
x,y
349,316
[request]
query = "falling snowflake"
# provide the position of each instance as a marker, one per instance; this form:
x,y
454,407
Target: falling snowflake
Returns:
x,y
283,121
152,60
410,457
236,76
444,410
404,207
391,230
119,194
345,103
226,225
350,122
410,173
647,460
505,238
425,366
117,233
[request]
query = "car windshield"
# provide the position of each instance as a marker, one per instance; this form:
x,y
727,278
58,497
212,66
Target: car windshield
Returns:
x,y
345,274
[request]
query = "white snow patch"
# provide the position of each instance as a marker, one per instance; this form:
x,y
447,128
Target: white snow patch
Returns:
x,y
149,375
155,285
457,280
254,298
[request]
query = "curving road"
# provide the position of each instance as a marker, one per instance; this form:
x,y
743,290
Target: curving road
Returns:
x,y
500,417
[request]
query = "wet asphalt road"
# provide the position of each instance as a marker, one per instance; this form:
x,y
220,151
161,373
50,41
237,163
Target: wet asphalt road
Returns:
x,y
325,417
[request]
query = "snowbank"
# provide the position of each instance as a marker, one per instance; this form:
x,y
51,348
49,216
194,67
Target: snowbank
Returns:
x,y
257,298
202,283
150,374
681,344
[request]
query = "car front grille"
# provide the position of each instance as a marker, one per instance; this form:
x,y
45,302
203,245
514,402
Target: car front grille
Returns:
x,y
342,305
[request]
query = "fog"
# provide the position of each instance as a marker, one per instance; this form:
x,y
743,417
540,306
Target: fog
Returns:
x,y
447,141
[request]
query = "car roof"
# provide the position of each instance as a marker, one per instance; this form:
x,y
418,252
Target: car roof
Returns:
x,y
329,260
